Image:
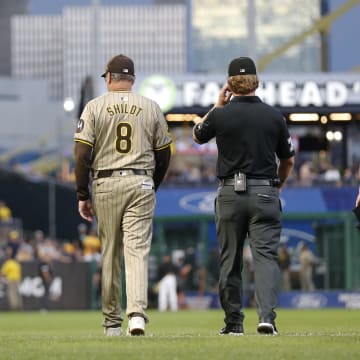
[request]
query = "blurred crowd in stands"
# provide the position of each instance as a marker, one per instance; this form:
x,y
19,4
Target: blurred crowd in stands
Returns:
x,y
198,169
195,165
36,245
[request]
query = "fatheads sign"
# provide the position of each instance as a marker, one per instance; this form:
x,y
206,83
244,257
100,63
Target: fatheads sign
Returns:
x,y
310,93
332,90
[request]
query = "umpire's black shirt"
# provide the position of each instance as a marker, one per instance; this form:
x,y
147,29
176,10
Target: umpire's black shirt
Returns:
x,y
249,135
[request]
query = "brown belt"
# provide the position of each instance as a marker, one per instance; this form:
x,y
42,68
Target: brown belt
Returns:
x,y
119,172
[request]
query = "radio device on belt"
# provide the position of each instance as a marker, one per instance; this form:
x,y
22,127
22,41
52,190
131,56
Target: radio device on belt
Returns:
x,y
239,182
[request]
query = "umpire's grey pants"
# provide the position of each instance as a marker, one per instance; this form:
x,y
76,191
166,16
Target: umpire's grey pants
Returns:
x,y
255,213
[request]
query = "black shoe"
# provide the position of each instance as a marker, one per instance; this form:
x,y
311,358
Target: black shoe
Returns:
x,y
232,329
267,327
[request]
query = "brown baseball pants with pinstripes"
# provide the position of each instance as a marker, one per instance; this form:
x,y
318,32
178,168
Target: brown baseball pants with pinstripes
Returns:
x,y
124,210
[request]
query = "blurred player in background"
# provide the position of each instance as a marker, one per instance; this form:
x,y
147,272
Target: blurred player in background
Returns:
x,y
11,273
167,297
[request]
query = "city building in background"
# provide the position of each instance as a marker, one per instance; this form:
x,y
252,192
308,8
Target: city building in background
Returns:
x,y
7,10
67,48
166,37
37,50
223,29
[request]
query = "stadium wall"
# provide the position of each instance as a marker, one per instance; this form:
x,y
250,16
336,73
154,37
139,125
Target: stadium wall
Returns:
x,y
70,289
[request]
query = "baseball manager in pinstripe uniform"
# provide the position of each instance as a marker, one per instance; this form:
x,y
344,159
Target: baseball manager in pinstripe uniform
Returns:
x,y
121,143
255,157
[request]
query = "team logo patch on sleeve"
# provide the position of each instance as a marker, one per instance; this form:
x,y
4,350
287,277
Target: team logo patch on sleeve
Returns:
x,y
79,125
291,145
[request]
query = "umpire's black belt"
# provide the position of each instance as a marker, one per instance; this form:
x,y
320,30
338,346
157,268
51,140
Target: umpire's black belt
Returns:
x,y
119,172
251,182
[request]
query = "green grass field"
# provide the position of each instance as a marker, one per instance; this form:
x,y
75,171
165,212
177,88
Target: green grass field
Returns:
x,y
304,334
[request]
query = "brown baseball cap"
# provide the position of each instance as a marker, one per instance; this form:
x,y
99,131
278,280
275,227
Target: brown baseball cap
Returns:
x,y
120,64
242,66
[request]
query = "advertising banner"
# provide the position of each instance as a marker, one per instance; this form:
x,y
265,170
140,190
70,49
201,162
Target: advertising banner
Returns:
x,y
69,290
291,299
200,201
319,299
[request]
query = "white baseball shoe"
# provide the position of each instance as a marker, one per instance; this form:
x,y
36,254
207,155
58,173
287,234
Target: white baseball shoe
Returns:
x,y
267,327
115,331
136,326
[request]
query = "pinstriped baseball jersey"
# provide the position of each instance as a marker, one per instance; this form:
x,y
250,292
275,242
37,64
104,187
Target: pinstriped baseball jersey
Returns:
x,y
120,125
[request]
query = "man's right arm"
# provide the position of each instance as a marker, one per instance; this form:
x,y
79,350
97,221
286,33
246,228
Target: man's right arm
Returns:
x,y
224,97
82,155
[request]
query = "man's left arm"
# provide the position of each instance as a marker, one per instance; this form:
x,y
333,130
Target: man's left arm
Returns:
x,y
284,169
286,154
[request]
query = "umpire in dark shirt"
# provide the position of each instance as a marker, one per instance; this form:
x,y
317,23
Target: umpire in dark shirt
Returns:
x,y
255,156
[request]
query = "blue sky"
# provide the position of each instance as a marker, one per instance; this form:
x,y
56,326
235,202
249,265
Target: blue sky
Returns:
x,y
344,46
